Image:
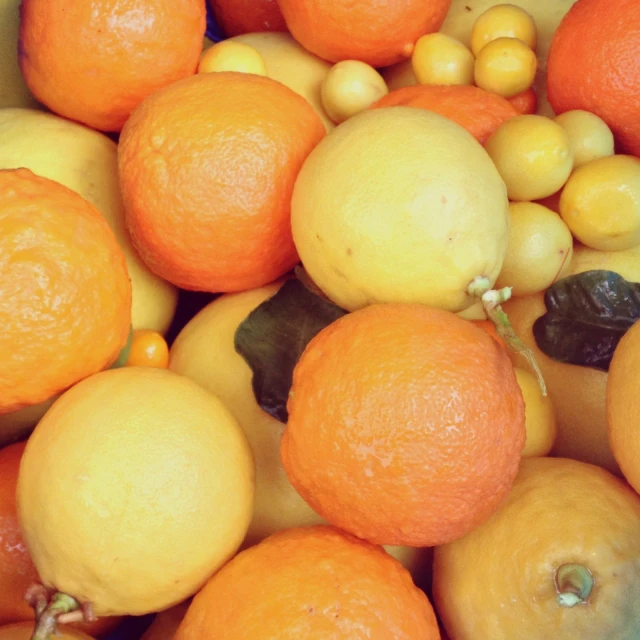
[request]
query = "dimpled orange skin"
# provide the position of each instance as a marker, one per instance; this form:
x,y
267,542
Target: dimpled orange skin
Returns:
x,y
236,17
316,583
94,61
378,32
406,425
207,169
65,294
593,65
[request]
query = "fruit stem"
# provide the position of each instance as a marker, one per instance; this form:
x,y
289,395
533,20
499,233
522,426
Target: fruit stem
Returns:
x,y
47,621
574,584
492,300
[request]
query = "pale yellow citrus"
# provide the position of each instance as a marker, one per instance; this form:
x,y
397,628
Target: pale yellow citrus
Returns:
x,y
626,263
590,135
503,21
229,55
440,59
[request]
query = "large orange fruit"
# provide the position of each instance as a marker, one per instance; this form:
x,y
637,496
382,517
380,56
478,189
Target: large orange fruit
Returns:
x,y
314,583
95,61
207,169
65,295
406,425
236,17
593,65
379,32
480,112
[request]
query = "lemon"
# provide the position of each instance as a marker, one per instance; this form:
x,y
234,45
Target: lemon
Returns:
x,y
135,487
601,203
441,59
232,56
589,134
400,205
540,249
86,161
503,21
533,155
505,66
350,87
540,419
626,263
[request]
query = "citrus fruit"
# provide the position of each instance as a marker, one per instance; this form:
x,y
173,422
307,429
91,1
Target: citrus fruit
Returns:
x,y
148,349
590,136
86,161
505,66
65,308
24,630
94,62
378,32
577,393
17,424
533,155
540,418
232,56
592,66
525,102
207,168
350,87
490,328
415,442
440,59
539,252
601,203
166,623
562,551
133,489
236,17
288,63
328,584
17,572
477,110
626,263
622,405
376,219
503,21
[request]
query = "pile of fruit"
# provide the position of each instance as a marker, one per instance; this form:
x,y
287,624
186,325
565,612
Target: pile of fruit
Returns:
x,y
323,329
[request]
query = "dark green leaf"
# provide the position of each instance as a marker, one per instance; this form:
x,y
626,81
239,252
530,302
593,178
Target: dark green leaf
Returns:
x,y
587,315
273,336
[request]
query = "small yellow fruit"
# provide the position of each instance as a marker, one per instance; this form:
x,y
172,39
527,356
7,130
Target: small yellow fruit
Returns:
x,y
539,251
533,155
503,21
590,135
540,417
601,203
350,87
229,55
506,66
441,59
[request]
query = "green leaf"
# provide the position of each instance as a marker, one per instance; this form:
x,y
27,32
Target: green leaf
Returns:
x,y
587,315
273,336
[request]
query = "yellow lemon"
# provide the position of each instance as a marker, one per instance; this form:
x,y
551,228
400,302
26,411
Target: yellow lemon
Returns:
x,y
540,249
503,21
376,218
540,418
441,59
601,203
350,87
533,155
626,263
505,66
232,56
589,134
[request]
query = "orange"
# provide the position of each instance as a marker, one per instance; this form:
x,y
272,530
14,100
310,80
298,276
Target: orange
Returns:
x,y
17,572
378,32
415,441
236,17
478,111
593,66
314,583
148,349
65,295
525,103
95,61
559,560
490,328
207,169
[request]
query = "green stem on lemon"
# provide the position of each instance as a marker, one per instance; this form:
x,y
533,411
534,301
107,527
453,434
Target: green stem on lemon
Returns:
x,y
574,584
492,299
47,621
